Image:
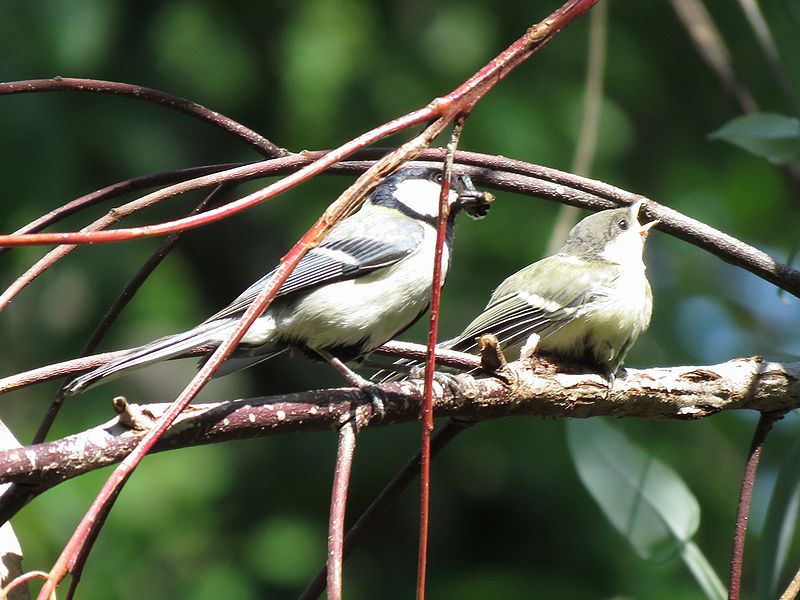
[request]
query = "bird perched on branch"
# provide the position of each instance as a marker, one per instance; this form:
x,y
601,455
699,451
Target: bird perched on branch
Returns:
x,y
587,303
368,280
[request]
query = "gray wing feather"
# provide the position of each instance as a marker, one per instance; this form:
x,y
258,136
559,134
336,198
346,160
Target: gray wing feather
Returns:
x,y
516,310
512,319
337,258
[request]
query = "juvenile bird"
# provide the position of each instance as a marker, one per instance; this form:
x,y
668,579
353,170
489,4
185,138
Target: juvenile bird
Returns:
x,y
368,280
587,303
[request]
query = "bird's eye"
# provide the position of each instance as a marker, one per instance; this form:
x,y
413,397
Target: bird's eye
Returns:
x,y
438,178
623,224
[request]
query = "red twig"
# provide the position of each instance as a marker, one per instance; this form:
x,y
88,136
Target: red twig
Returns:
x,y
71,84
76,551
765,423
461,100
18,581
114,215
430,362
117,189
233,208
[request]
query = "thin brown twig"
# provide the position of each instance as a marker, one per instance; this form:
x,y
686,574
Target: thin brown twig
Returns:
x,y
20,580
447,358
120,212
72,84
384,499
550,184
346,448
459,101
765,423
711,47
16,497
586,145
769,48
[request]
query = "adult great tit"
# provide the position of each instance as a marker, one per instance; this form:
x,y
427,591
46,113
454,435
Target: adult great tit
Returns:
x,y
368,280
587,303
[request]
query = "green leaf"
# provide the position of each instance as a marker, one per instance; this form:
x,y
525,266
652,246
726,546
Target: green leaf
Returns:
x,y
644,499
779,524
768,135
703,572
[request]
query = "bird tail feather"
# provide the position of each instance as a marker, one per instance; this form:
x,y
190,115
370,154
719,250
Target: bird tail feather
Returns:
x,y
173,346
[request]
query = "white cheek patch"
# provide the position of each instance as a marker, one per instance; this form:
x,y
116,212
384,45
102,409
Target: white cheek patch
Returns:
x,y
626,247
421,196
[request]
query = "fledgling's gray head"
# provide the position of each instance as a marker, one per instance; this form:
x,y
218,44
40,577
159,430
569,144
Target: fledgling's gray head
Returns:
x,y
415,192
612,235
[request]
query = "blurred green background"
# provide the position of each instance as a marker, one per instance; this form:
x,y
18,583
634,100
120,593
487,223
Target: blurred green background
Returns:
x,y
510,519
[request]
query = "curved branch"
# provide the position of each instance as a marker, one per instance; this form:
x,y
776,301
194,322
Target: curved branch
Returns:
x,y
118,189
519,177
72,84
506,175
686,392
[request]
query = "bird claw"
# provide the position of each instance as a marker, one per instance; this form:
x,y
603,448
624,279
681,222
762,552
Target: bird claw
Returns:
x,y
448,381
451,382
375,395
610,378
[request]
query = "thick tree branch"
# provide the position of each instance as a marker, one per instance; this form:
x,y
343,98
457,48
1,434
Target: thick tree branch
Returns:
x,y
688,392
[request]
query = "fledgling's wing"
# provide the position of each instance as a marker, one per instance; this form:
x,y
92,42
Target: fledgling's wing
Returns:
x,y
517,309
355,247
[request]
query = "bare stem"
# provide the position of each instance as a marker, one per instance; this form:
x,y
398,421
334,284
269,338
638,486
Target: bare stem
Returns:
x,y
677,393
341,481
118,189
765,423
382,501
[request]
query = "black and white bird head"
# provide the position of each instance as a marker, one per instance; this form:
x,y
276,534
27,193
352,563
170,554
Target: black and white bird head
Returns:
x,y
615,236
415,191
